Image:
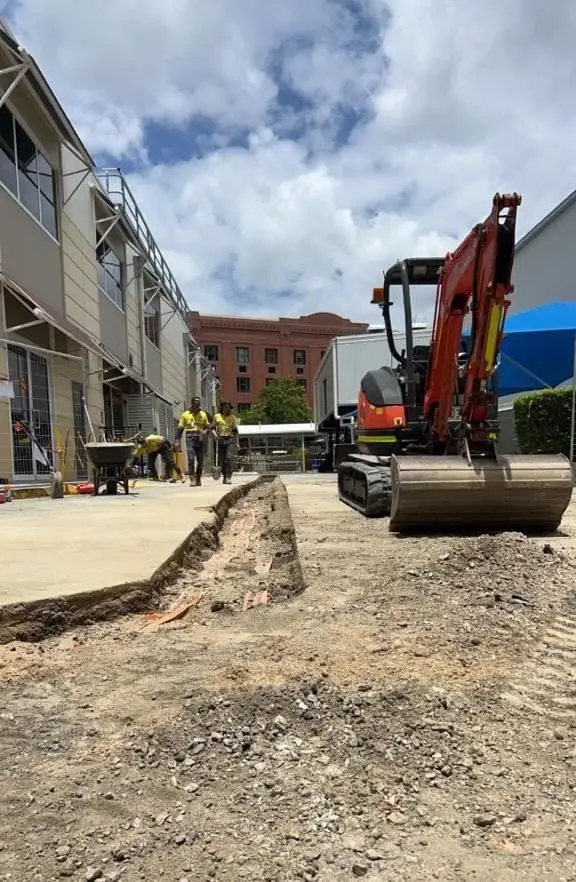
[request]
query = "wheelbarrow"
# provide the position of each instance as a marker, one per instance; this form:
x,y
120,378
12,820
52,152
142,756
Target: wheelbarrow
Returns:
x,y
109,461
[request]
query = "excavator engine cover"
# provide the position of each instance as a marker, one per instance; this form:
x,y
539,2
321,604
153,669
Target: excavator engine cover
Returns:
x,y
510,493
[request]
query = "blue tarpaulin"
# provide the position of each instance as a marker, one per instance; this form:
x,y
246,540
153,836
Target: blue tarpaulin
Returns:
x,y
537,350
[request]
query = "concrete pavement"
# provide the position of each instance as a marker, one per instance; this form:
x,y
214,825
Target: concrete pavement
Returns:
x,y
59,547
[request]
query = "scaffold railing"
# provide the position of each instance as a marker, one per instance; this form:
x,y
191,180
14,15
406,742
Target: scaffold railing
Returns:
x,y
120,194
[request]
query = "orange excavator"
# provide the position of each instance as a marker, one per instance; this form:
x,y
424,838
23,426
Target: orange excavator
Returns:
x,y
427,430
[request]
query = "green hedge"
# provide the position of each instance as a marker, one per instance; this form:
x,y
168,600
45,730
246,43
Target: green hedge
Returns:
x,y
543,421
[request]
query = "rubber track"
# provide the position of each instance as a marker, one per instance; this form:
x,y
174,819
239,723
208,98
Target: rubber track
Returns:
x,y
546,684
379,493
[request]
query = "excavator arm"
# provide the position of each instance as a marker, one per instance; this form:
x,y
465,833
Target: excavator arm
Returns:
x,y
476,279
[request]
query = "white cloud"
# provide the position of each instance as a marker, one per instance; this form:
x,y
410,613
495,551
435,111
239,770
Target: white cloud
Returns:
x,y
462,100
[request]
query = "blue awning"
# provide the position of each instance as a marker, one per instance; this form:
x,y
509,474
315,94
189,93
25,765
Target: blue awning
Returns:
x,y
537,350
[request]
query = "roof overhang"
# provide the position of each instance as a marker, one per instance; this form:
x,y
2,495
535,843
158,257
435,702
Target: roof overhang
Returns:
x,y
37,86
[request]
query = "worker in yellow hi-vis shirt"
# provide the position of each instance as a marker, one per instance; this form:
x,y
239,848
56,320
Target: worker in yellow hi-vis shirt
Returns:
x,y
195,423
226,429
153,445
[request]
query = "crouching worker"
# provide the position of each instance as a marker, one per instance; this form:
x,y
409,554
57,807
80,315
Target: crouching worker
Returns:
x,y
194,423
226,429
153,446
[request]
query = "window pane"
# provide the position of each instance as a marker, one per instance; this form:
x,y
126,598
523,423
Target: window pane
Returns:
x,y
48,215
101,276
27,171
47,184
46,179
7,157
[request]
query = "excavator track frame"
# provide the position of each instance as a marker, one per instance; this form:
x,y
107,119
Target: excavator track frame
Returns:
x,y
366,486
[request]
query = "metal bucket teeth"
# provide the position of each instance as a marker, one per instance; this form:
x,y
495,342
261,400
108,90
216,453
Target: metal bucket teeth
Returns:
x,y
513,493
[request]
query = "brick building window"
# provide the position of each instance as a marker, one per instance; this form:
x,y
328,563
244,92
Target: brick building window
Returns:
x,y
211,353
271,356
242,384
302,383
243,407
242,355
300,357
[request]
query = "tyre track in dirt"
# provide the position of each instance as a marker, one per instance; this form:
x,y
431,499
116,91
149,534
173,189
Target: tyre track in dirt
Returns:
x,y
546,684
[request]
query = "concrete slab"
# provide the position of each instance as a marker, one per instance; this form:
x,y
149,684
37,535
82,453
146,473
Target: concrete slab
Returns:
x,y
82,543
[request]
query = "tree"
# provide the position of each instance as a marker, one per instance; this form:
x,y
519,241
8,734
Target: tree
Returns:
x,y
282,401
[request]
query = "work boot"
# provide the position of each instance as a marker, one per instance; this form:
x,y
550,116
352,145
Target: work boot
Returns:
x,y
198,481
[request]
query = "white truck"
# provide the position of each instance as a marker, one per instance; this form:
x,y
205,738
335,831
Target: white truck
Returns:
x,y
337,381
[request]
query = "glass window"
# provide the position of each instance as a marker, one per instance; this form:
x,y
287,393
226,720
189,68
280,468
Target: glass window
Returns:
x,y
47,184
7,155
152,329
27,158
271,356
110,273
242,355
300,356
27,173
242,384
211,353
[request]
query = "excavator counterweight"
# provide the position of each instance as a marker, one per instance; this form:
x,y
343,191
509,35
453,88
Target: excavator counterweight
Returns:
x,y
427,430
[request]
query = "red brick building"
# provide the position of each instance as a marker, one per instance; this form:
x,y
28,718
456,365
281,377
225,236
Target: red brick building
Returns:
x,y
247,353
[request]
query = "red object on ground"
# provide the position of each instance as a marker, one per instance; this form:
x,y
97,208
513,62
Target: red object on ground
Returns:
x,y
85,488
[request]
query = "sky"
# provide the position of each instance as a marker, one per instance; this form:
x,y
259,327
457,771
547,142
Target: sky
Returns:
x,y
284,154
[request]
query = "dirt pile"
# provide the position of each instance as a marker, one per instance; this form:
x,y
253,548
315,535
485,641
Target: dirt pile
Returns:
x,y
492,590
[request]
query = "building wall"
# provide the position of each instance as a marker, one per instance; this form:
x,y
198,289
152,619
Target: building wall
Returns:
x,y
174,357
60,272
29,255
154,366
311,333
113,328
543,266
78,242
81,295
133,340
5,425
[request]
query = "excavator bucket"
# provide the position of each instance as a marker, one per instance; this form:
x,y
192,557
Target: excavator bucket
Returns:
x,y
446,494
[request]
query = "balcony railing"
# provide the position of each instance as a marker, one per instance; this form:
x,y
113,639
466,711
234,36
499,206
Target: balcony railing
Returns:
x,y
114,183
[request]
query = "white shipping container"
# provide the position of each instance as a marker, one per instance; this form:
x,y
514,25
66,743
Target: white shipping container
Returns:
x,y
347,359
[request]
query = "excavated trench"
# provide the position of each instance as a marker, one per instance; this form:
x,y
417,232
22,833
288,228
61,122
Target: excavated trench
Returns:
x,y
243,554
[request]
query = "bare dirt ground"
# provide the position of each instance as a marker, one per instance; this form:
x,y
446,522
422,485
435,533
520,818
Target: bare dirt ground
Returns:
x,y
408,715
